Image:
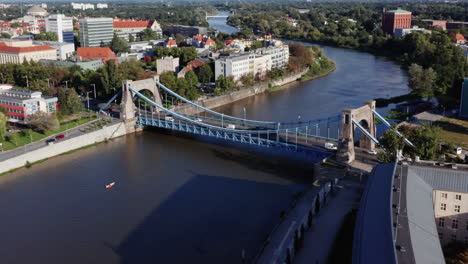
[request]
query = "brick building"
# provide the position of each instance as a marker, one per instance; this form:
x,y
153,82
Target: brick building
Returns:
x,y
393,19
95,53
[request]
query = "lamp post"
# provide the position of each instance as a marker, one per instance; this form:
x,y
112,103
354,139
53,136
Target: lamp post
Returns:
x,y
87,97
94,85
66,84
27,81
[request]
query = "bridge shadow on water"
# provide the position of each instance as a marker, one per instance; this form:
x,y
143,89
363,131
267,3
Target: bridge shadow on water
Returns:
x,y
236,214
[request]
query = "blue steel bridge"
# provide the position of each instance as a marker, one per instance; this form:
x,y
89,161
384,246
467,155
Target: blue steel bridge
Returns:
x,y
168,110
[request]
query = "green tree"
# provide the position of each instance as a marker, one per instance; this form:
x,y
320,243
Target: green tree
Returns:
x,y
43,122
225,83
422,81
118,44
205,74
149,34
391,143
47,36
182,86
426,141
3,126
191,78
110,79
169,80
5,35
131,38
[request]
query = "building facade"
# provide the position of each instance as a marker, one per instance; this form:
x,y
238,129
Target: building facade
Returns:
x,y
64,50
401,32
95,53
235,65
62,26
187,31
451,212
125,28
95,32
262,64
167,64
18,51
395,19
22,103
279,55
82,6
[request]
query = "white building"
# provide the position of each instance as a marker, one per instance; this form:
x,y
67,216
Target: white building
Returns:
x,y
96,31
279,55
37,11
101,6
235,65
64,50
22,103
18,51
262,64
82,6
124,28
62,26
401,32
167,64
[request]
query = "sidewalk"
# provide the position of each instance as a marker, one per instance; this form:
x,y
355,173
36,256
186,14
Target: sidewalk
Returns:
x,y
318,241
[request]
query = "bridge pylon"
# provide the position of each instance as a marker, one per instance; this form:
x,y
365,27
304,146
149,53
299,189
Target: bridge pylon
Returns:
x,y
365,117
127,106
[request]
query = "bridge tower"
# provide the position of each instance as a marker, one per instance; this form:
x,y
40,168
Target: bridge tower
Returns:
x,y
365,117
128,107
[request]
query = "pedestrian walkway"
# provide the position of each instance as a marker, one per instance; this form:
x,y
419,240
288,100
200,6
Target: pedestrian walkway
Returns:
x,y
318,241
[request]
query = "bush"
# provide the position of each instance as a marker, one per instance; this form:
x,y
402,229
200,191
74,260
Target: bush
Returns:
x,y
43,122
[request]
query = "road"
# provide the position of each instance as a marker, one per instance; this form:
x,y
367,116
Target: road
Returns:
x,y
70,133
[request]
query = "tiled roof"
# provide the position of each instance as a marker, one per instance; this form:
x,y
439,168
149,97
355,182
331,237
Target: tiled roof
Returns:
x,y
171,42
195,63
132,23
5,48
209,42
459,36
198,37
95,52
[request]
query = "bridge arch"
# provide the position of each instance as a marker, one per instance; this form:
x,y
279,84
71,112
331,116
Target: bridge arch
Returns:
x,y
128,107
364,116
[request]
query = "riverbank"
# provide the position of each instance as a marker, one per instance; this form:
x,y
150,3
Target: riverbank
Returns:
x,y
63,147
309,76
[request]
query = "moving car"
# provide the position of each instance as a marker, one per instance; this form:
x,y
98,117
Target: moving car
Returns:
x,y
231,126
330,146
61,136
169,118
373,152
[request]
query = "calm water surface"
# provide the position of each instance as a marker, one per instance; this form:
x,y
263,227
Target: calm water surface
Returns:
x,y
177,200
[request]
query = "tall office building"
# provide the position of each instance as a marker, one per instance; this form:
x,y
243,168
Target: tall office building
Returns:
x,y
393,19
95,32
62,26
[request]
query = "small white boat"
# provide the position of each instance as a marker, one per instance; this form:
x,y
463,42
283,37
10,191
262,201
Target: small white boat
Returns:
x,y
110,185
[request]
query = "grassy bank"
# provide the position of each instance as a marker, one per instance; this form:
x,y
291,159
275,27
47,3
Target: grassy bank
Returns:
x,y
454,131
25,138
310,75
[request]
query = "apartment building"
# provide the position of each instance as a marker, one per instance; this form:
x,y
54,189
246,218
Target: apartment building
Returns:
x,y
124,28
279,55
22,103
64,50
167,64
235,65
18,51
95,32
62,26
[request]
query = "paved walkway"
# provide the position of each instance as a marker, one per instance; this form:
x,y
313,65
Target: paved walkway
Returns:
x,y
318,241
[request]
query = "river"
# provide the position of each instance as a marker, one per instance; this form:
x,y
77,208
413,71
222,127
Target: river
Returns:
x,y
176,200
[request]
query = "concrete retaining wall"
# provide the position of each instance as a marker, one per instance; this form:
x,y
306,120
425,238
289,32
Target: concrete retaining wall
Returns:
x,y
231,97
108,132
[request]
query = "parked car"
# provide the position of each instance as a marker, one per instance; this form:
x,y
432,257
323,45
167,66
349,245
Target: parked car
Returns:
x,y
61,136
50,141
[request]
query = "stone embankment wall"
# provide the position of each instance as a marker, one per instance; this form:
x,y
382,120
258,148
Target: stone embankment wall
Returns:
x,y
108,132
231,97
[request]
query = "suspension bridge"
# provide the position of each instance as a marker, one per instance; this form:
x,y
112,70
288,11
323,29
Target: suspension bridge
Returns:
x,y
165,109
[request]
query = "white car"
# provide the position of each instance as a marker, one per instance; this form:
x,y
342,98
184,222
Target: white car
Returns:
x,y
169,118
373,152
199,120
230,126
330,146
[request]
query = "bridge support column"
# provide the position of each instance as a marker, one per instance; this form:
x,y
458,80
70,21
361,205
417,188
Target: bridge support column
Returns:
x,y
363,115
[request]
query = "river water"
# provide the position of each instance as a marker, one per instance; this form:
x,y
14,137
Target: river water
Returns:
x,y
176,200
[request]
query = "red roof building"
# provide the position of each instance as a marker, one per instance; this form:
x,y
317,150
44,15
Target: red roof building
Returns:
x,y
458,39
209,43
132,23
170,43
95,53
19,51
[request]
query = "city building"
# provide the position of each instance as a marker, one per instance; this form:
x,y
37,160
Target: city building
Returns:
x,y
191,66
262,64
96,32
458,39
408,212
167,64
464,99
187,31
85,65
170,43
101,6
393,19
401,32
124,28
27,24
82,6
37,11
435,23
235,65
64,50
200,41
457,25
21,103
95,53
62,26
279,54
19,51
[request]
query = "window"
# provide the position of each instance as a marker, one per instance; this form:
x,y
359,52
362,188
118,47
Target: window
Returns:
x,y
455,223
457,208
458,197
444,195
442,222
453,237
443,206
